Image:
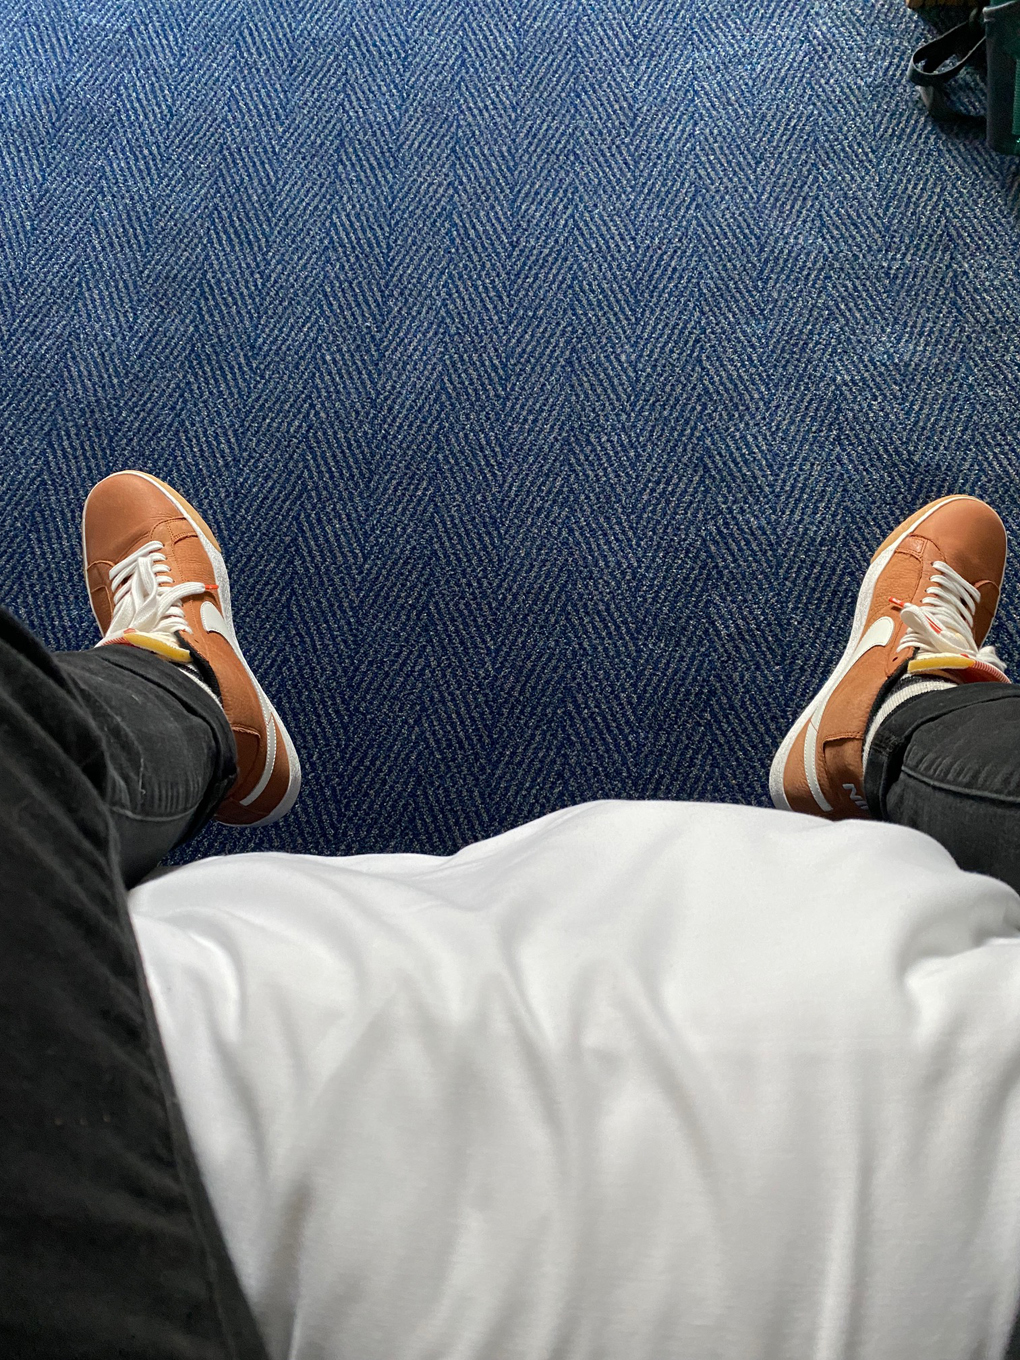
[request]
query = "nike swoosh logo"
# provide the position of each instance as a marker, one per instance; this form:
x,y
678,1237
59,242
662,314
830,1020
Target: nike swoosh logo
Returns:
x,y
213,621
877,636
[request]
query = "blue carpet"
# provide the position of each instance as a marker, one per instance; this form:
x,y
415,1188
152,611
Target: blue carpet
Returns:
x,y
550,369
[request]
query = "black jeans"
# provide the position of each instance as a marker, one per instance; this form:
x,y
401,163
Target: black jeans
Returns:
x,y
948,764
108,1245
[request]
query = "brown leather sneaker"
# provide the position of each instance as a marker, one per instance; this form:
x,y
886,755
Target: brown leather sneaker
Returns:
x,y
928,600
157,580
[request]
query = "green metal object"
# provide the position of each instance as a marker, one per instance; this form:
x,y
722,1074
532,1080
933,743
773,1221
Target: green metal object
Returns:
x,y
1002,48
989,41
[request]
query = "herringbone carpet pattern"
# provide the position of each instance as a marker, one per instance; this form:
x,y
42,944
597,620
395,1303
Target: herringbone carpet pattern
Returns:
x,y
550,368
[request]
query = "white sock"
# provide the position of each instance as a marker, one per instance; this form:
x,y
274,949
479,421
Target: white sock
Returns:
x,y
189,668
192,673
908,688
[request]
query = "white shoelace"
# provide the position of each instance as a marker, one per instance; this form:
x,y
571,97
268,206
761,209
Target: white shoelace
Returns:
x,y
944,620
144,596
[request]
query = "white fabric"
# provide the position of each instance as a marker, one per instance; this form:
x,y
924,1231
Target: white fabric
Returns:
x,y
635,1081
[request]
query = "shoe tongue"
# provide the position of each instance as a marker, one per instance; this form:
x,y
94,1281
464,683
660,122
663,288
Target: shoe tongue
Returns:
x,y
163,644
936,636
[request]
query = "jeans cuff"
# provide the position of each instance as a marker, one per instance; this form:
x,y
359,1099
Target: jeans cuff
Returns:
x,y
193,699
890,742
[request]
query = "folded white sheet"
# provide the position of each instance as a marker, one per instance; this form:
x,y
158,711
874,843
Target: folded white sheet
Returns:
x,y
637,1080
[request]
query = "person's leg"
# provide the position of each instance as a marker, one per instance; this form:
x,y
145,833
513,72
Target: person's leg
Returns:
x,y
948,763
169,765
924,609
108,1244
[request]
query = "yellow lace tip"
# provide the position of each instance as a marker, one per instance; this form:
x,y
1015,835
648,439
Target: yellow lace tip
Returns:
x,y
151,642
940,661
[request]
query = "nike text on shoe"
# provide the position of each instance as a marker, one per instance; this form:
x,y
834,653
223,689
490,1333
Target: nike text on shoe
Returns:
x,y
157,580
926,604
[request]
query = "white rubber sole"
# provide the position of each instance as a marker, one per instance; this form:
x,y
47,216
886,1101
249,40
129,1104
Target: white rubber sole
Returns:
x,y
812,714
270,716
